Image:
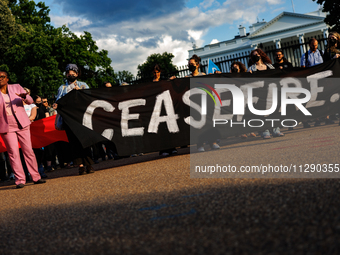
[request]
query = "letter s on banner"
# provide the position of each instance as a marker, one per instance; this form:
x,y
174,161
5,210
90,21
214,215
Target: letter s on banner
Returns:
x,y
186,99
87,118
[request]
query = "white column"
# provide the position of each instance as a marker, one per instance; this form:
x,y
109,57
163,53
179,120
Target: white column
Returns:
x,y
302,40
277,43
325,34
254,46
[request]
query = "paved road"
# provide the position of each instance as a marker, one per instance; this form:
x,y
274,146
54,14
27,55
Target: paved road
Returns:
x,y
150,205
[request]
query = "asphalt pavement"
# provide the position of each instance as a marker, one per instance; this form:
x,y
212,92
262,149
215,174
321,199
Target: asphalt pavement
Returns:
x,y
151,205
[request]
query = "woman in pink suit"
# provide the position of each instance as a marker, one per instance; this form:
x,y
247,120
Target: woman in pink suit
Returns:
x,y
15,127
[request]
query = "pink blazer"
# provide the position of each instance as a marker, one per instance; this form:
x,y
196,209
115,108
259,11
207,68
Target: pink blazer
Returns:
x,y
17,107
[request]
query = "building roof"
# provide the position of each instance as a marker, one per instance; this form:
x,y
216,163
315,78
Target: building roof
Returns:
x,y
287,21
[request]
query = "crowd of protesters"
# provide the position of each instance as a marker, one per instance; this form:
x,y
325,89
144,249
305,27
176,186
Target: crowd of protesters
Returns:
x,y
18,110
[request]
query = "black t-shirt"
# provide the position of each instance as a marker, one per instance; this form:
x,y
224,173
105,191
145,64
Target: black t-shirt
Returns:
x,y
283,64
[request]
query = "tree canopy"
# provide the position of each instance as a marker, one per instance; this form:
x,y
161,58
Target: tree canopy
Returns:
x,y
163,60
8,26
332,7
36,54
123,76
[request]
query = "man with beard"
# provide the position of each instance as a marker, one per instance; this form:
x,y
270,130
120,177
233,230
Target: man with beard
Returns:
x,y
313,56
280,60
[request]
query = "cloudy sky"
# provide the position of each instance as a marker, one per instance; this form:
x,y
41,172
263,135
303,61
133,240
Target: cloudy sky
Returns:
x,y
132,30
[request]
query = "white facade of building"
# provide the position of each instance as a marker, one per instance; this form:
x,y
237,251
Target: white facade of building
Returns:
x,y
285,29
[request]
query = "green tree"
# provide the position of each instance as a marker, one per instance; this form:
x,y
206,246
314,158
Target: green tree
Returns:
x,y
39,53
163,60
124,76
8,26
332,7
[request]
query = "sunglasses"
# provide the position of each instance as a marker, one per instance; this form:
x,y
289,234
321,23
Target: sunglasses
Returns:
x,y
44,101
3,77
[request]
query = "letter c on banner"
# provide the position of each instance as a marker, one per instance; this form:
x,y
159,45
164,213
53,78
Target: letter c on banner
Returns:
x,y
87,118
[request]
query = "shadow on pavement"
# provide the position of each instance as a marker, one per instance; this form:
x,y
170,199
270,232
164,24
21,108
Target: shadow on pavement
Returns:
x,y
250,217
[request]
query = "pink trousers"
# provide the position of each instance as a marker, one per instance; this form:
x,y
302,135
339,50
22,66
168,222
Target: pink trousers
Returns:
x,y
11,139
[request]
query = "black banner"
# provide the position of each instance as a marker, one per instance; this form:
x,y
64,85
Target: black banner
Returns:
x,y
154,116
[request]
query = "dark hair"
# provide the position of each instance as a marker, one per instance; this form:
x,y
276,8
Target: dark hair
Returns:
x,y
312,40
35,97
240,65
264,57
104,83
157,67
3,71
280,50
196,58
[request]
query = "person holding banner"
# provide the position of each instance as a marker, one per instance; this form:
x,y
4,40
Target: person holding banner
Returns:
x,y
239,67
194,67
260,60
261,63
281,61
332,51
15,127
81,156
156,78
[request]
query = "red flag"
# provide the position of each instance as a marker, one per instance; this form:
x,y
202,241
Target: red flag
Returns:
x,y
43,133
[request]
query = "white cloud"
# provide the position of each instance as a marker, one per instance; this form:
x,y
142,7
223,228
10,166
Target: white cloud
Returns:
x,y
128,55
75,22
208,3
129,43
274,2
214,41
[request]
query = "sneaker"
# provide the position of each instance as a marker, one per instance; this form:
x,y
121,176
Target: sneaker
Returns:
x,y
252,135
43,175
174,151
329,122
50,169
89,169
215,146
200,149
266,135
20,186
141,154
39,181
244,136
82,170
317,124
134,155
278,134
164,154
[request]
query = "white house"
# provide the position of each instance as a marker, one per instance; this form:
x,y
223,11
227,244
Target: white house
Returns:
x,y
289,31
